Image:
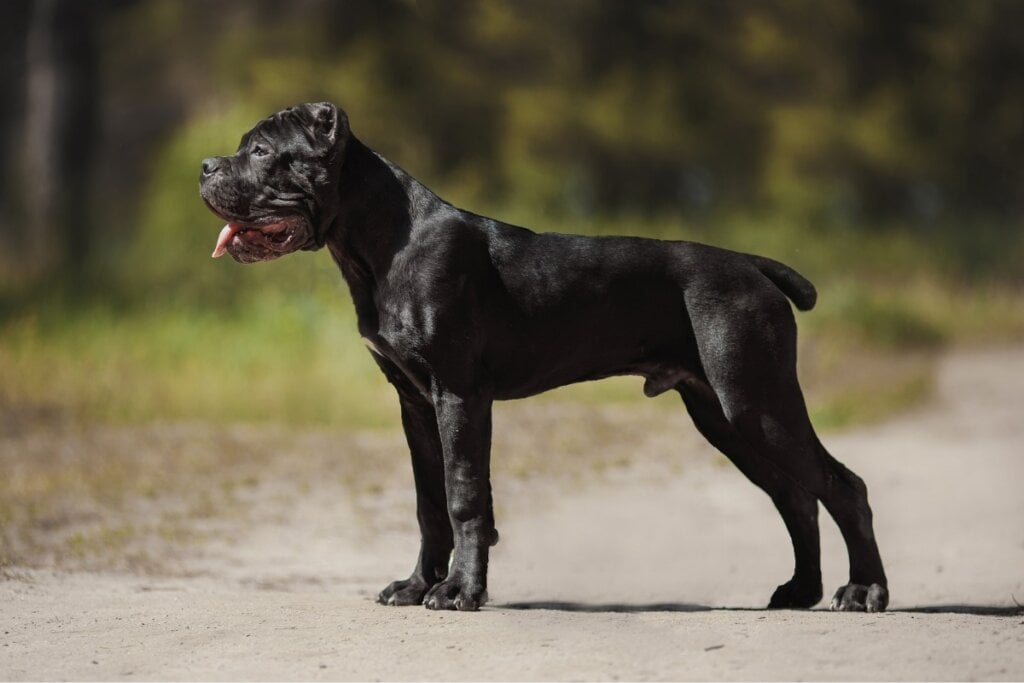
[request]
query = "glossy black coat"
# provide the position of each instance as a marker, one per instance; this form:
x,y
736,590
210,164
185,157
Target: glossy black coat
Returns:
x,y
460,310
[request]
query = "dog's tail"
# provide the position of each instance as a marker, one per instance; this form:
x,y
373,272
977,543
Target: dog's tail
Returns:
x,y
794,285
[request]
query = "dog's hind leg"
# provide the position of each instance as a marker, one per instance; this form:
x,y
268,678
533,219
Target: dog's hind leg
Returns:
x,y
779,436
798,507
775,433
749,360
846,499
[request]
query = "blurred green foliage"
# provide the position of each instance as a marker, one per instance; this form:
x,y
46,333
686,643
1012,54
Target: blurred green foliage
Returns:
x,y
856,116
874,146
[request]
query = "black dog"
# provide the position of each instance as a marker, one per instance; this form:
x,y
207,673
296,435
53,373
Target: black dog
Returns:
x,y
459,310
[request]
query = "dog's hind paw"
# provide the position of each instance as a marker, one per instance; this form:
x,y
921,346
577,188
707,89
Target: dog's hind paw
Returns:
x,y
855,597
796,595
452,594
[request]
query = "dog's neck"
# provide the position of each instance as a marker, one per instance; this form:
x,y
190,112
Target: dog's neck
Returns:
x,y
377,204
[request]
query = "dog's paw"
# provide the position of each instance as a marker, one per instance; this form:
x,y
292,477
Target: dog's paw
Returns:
x,y
796,595
455,594
407,592
855,597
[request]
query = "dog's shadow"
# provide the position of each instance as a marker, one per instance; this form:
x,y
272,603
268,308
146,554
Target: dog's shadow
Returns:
x,y
976,610
568,606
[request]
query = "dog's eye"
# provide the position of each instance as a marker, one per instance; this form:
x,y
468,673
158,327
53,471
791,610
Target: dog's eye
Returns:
x,y
259,151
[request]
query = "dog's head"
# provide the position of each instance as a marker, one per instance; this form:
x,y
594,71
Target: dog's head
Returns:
x,y
278,192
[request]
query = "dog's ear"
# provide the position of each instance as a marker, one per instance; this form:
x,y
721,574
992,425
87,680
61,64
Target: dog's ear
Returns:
x,y
324,123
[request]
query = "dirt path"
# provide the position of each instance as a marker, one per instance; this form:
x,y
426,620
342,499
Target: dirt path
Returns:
x,y
600,583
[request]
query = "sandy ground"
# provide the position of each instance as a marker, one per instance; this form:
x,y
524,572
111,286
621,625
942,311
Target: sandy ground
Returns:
x,y
647,572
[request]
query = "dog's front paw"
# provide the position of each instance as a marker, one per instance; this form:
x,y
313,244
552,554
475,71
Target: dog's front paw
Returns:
x,y
855,597
455,593
796,595
407,592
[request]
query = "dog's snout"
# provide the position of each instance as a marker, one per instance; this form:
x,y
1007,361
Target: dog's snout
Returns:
x,y
210,166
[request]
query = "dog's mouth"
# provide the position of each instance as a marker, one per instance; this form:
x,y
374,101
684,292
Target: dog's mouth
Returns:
x,y
270,239
260,239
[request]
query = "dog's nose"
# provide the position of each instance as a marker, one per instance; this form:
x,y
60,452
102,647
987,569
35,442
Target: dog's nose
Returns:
x,y
210,166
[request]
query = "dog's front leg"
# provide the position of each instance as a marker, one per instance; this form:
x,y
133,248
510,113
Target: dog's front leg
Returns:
x,y
420,423
464,425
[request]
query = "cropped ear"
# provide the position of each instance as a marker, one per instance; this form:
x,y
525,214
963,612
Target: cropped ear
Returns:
x,y
324,124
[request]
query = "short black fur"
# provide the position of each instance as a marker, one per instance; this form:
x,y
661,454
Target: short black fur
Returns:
x,y
460,310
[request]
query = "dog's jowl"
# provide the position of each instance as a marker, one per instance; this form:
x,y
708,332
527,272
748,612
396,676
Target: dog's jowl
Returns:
x,y
459,310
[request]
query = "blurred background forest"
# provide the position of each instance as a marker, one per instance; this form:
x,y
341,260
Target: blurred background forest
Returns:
x,y
877,146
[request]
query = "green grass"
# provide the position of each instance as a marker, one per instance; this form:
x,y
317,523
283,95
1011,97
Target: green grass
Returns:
x,y
277,360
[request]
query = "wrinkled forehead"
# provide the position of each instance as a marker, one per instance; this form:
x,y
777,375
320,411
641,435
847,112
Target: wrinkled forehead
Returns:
x,y
279,129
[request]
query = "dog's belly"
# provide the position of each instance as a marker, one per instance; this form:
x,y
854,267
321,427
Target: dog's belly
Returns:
x,y
541,355
524,386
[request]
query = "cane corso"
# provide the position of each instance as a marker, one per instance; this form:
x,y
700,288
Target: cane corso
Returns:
x,y
460,310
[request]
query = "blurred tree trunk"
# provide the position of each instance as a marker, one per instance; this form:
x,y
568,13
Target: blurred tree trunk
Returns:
x,y
12,84
60,127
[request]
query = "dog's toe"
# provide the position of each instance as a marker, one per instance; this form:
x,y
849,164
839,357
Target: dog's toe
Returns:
x,y
402,593
453,595
441,596
855,597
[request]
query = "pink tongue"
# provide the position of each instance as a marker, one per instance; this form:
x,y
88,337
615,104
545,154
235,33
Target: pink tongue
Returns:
x,y
226,233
